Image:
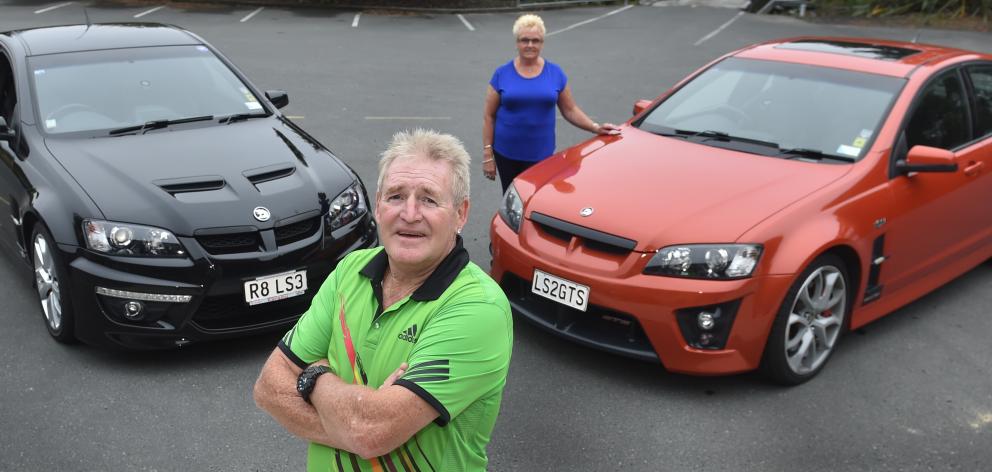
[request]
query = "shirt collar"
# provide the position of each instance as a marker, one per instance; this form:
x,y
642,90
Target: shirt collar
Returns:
x,y
435,285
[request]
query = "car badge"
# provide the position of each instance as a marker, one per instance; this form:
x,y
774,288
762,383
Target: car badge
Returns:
x,y
261,213
585,211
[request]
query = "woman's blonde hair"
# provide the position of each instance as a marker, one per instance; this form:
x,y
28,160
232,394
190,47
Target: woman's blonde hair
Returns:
x,y
529,20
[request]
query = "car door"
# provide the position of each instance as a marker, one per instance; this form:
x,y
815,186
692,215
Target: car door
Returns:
x,y
9,167
979,77
935,217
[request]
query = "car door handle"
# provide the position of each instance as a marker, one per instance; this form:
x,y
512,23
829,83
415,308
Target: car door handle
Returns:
x,y
973,168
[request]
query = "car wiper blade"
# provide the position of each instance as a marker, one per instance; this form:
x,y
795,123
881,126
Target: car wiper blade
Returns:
x,y
240,117
812,154
158,124
721,136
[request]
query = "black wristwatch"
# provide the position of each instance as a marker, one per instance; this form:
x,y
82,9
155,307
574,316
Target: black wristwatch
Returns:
x,y
308,379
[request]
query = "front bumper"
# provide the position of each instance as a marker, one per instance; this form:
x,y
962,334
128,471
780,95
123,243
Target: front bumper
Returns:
x,y
215,283
630,313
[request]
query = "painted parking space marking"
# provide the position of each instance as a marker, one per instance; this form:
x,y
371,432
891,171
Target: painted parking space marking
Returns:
x,y
295,117
467,24
250,15
383,118
354,23
149,12
718,30
586,22
46,9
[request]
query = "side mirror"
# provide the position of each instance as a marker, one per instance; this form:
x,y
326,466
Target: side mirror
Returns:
x,y
927,159
640,106
279,98
6,134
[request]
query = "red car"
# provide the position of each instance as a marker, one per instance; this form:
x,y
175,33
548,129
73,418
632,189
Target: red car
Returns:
x,y
776,198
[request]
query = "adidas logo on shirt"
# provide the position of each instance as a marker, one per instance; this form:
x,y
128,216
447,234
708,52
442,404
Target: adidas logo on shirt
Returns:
x,y
410,334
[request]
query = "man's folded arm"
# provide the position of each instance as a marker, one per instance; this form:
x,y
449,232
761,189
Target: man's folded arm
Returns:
x,y
275,393
369,422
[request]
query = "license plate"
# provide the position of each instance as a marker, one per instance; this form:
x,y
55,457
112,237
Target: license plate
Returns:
x,y
275,287
560,290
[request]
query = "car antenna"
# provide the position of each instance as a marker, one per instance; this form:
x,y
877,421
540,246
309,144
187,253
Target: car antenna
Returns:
x,y
87,15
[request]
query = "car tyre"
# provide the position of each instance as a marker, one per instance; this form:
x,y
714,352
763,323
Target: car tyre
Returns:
x,y
51,286
809,323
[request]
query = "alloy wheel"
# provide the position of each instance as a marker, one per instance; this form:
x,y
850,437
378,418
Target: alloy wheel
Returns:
x,y
815,319
47,283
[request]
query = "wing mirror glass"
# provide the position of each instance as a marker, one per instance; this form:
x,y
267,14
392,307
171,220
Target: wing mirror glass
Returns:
x,y
279,98
640,106
927,159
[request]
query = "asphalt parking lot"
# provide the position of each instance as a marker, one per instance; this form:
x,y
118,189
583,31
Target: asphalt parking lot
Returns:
x,y
910,392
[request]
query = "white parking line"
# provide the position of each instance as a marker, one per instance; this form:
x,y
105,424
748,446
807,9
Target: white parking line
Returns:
x,y
467,24
43,10
600,17
382,118
354,23
718,30
248,17
149,12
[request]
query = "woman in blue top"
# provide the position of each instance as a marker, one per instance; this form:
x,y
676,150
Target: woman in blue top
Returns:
x,y
519,122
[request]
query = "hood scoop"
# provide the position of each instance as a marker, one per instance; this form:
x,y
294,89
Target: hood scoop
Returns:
x,y
203,183
273,178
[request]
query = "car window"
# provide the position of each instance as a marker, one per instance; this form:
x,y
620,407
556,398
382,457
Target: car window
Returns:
x,y
833,111
981,80
8,96
102,90
941,116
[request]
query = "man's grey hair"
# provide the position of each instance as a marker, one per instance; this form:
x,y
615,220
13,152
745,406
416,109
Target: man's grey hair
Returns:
x,y
435,146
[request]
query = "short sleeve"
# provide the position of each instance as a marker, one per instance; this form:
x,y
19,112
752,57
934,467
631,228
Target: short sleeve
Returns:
x,y
562,78
462,355
494,81
308,341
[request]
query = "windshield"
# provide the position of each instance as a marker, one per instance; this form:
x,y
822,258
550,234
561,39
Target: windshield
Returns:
x,y
818,110
97,91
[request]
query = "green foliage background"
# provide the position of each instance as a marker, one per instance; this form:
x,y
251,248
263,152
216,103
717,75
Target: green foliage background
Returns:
x,y
937,8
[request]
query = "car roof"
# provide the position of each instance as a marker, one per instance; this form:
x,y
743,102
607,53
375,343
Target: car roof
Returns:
x,y
877,56
74,38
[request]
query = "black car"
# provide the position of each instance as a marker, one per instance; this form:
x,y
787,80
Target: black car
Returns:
x,y
159,197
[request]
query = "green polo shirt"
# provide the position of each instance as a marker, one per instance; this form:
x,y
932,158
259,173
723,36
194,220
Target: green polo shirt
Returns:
x,y
456,334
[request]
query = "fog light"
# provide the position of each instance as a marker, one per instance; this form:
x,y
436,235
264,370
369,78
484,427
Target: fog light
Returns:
x,y
707,327
706,320
133,309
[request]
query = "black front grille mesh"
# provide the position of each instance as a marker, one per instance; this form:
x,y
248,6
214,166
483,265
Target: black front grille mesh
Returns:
x,y
230,243
294,232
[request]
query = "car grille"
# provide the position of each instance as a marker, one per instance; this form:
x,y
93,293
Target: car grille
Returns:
x,y
591,238
230,243
294,232
599,327
235,243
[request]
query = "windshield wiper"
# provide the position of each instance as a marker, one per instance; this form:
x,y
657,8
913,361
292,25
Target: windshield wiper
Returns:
x,y
158,124
812,154
708,134
240,117
721,136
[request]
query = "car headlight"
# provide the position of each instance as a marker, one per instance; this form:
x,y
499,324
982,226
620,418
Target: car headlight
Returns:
x,y
512,209
348,206
126,239
705,261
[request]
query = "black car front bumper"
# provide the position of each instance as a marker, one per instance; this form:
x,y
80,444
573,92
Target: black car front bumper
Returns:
x,y
212,280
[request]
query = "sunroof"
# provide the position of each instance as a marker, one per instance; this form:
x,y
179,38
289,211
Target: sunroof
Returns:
x,y
870,51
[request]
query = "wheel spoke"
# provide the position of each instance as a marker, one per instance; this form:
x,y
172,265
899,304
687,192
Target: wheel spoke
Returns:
x,y
796,360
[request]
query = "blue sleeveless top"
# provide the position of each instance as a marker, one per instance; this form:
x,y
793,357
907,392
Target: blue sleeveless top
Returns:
x,y
525,120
